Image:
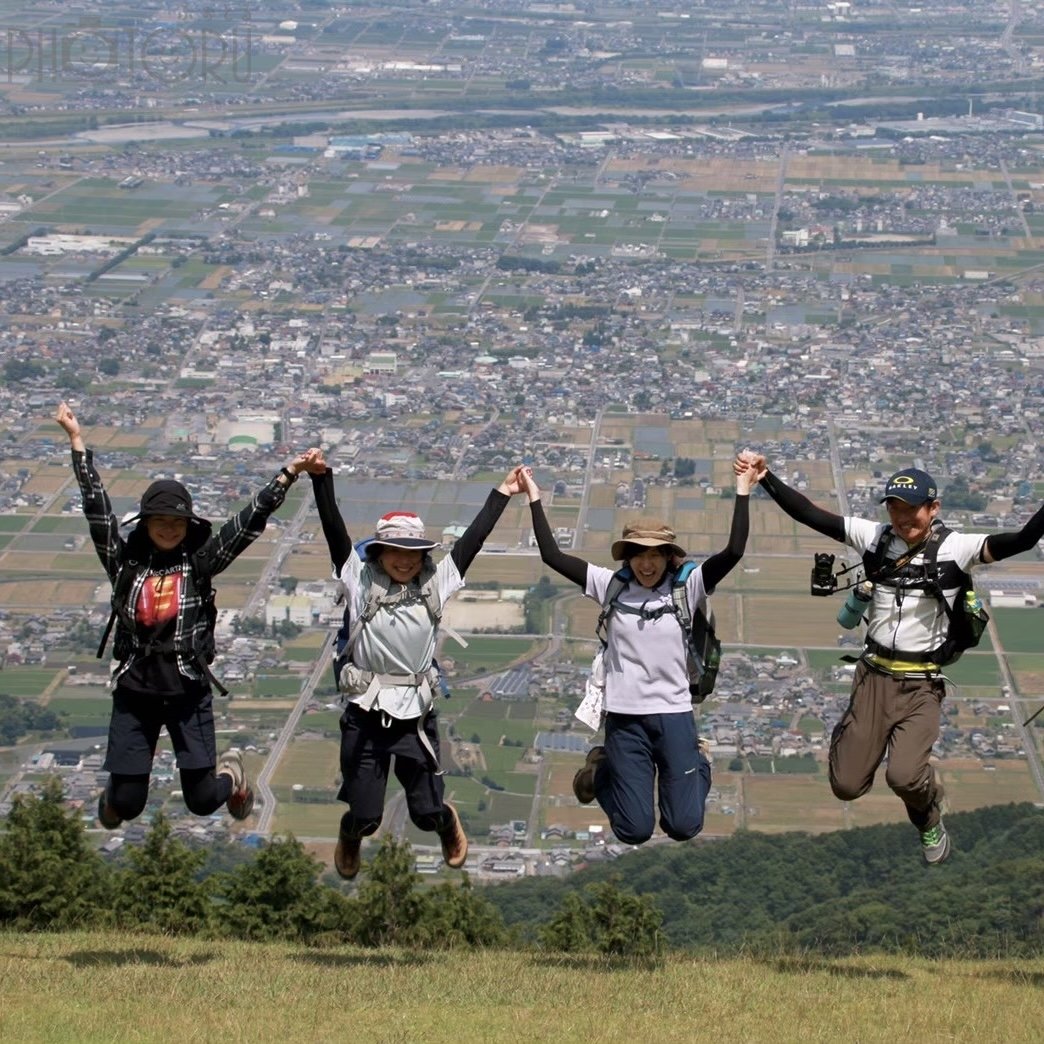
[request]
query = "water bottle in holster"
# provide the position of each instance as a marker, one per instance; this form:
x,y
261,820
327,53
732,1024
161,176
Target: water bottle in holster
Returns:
x,y
852,611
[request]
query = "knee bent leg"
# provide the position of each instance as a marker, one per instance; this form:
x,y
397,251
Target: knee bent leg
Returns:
x,y
906,782
629,836
128,809
431,821
352,826
844,791
684,833
127,795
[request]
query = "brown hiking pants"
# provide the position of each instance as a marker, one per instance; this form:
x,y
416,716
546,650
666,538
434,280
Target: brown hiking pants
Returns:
x,y
898,716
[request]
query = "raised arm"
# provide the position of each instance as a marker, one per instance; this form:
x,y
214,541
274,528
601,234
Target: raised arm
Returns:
x,y
472,539
67,419
243,528
97,509
1003,545
798,507
569,566
338,541
719,565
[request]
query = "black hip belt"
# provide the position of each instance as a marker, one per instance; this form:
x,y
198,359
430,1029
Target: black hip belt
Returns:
x,y
877,649
168,647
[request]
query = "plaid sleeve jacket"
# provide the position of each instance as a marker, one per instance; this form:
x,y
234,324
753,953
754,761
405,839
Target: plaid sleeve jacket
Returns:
x,y
192,629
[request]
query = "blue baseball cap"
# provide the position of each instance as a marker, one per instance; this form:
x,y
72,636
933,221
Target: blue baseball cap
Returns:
x,y
912,486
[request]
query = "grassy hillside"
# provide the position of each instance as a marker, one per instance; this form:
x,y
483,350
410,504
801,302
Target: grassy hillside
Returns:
x,y
120,987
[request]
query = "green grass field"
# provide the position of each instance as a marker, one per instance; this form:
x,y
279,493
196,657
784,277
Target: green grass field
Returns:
x,y
311,763
1020,629
277,684
76,987
88,709
26,681
489,654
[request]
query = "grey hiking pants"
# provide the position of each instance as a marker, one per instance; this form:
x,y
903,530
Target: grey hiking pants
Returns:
x,y
897,715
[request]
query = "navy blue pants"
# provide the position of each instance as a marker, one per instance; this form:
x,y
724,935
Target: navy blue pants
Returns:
x,y
638,748
138,717
369,741
134,729
203,791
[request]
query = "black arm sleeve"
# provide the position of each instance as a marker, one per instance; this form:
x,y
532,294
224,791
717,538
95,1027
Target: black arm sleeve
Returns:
x,y
569,566
802,510
1004,545
719,565
334,529
472,539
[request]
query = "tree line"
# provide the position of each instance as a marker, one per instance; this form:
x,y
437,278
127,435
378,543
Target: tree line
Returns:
x,y
52,878
20,717
839,893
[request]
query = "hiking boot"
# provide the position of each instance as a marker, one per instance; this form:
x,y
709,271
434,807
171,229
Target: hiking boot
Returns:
x,y
347,855
454,841
935,844
583,781
106,816
241,801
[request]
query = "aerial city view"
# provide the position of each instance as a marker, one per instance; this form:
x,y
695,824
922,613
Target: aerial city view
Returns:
x,y
342,270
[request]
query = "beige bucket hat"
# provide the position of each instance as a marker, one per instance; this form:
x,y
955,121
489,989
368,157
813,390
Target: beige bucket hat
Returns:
x,y
647,532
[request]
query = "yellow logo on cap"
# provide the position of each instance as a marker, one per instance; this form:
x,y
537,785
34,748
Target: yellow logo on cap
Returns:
x,y
903,480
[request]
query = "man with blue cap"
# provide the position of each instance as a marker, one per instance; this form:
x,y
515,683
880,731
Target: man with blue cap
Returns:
x,y
922,614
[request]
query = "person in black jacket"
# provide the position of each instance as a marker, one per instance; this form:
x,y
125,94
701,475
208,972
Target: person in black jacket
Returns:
x,y
164,634
395,593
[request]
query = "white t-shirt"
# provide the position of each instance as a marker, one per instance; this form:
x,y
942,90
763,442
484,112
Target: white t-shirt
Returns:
x,y
400,639
646,670
912,620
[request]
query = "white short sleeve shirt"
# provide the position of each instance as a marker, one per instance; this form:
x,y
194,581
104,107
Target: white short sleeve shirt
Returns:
x,y
400,639
646,670
911,620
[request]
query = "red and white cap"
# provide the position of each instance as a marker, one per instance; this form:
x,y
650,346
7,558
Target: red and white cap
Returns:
x,y
401,529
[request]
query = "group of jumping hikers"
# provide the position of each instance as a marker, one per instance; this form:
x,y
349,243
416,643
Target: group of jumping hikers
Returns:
x,y
917,573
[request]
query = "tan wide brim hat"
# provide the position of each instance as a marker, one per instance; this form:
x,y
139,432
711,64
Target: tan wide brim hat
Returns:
x,y
647,532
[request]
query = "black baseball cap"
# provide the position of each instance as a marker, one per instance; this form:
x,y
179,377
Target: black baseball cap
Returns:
x,y
912,486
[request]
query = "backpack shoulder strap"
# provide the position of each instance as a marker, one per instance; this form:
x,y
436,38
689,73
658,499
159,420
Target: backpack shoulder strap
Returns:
x,y
120,589
376,595
940,531
694,622
701,642
379,593
680,595
874,557
429,587
203,649
617,582
199,566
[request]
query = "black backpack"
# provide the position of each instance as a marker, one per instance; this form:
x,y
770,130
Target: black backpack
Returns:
x,y
965,623
702,644
203,649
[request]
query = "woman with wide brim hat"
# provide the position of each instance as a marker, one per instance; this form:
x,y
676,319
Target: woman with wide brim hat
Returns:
x,y
651,754
394,593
